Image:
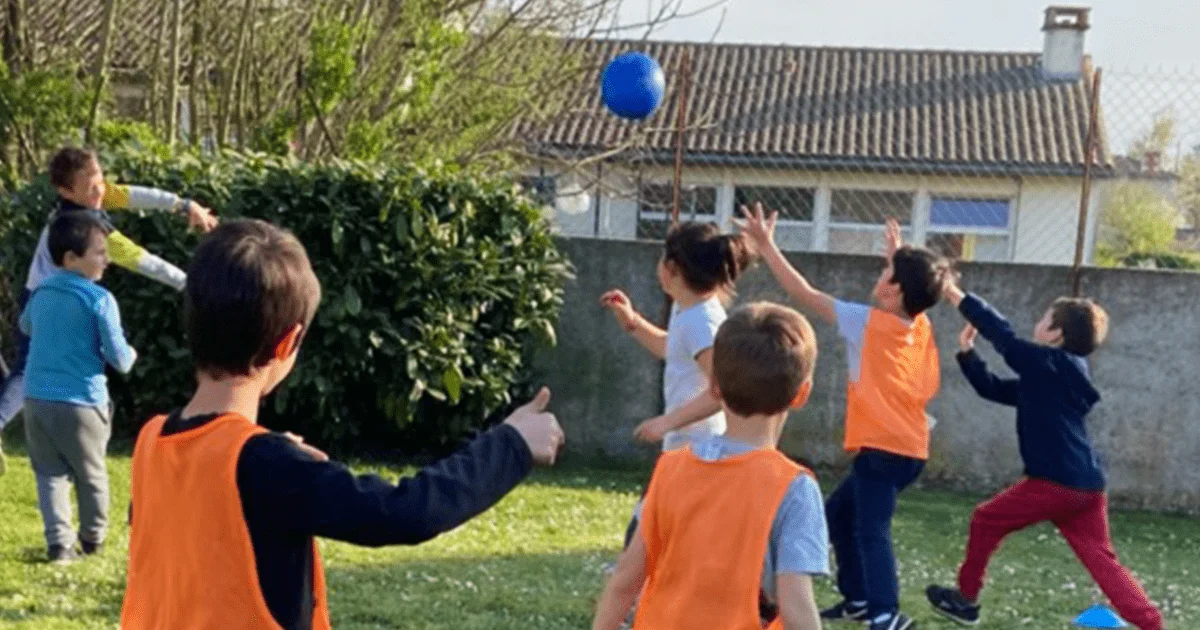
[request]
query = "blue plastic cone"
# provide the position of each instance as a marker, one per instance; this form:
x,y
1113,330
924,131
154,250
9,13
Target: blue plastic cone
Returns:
x,y
1099,616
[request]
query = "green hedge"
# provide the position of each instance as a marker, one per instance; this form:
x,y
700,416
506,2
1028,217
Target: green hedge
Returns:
x,y
437,286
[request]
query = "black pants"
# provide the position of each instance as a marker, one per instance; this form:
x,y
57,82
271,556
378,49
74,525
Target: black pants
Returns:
x,y
860,514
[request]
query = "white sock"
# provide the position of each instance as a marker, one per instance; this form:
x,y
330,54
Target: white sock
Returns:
x,y
882,618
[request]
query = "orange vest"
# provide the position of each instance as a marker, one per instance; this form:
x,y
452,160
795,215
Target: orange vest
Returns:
x,y
191,563
898,376
706,526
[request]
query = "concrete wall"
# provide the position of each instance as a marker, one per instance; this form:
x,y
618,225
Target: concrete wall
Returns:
x,y
1043,228
1146,427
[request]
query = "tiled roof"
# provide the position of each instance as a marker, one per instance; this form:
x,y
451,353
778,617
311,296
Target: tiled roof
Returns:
x,y
854,108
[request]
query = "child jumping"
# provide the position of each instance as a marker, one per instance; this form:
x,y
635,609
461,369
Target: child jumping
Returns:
x,y
75,329
893,374
698,270
224,512
1064,482
79,181
729,521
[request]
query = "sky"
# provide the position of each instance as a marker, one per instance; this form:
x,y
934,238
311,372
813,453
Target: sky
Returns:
x,y
1149,49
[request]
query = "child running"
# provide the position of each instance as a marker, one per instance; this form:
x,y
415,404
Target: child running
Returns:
x,y
729,521
75,329
225,512
698,269
1064,482
79,181
893,375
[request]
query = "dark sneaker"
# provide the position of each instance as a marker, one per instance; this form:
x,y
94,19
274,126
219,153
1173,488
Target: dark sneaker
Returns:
x,y
91,548
845,611
953,605
898,621
59,554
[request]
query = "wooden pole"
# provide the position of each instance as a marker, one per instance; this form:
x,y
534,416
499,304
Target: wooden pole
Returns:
x,y
1085,194
685,71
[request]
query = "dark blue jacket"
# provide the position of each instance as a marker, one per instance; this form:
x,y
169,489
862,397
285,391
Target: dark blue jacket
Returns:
x,y
1053,394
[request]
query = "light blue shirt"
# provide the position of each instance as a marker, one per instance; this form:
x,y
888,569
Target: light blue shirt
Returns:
x,y
799,541
852,325
74,328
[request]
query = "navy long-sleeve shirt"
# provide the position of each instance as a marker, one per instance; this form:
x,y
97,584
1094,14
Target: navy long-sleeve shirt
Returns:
x,y
288,497
1053,394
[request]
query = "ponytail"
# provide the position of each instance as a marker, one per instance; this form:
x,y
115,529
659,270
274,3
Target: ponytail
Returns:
x,y
708,260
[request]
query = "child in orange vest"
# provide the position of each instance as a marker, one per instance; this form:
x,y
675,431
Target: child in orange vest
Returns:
x,y
729,521
893,375
225,512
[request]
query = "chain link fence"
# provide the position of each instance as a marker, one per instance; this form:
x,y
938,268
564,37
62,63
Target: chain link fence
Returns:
x,y
980,156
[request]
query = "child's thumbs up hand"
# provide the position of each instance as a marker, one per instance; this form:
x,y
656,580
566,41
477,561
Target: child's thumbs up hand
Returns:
x,y
539,428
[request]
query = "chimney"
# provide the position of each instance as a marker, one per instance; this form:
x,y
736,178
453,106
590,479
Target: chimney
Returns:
x,y
1062,53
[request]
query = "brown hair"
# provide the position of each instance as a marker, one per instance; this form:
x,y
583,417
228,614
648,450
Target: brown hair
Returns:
x,y
707,260
763,354
921,275
67,163
1083,324
249,283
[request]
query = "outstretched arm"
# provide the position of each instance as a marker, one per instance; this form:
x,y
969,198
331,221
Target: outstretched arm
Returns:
x,y
1018,353
651,337
704,405
986,384
128,254
124,197
761,230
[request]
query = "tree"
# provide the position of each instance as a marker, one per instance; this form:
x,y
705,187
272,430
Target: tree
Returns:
x,y
1135,220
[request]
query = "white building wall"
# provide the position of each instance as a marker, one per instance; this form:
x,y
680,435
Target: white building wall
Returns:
x,y
1044,210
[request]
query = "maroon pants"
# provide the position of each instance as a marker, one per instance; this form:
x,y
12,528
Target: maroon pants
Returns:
x,y
1082,517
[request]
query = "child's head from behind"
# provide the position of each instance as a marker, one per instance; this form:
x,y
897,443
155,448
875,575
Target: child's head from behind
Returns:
x,y
251,295
1077,325
78,242
911,281
763,360
77,176
698,259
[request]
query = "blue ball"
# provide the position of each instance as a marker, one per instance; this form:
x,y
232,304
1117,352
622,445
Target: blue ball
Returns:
x,y
633,85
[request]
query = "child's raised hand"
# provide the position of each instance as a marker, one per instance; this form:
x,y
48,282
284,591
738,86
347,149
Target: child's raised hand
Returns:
x,y
893,238
617,302
757,226
966,339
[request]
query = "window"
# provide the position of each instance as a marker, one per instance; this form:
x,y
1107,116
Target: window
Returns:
x,y
970,229
857,218
872,207
795,207
655,201
542,189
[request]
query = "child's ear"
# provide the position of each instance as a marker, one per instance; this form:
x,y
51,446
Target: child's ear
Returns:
x,y
289,344
801,398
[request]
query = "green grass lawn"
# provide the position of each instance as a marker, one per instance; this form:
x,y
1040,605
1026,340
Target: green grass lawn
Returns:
x,y
534,562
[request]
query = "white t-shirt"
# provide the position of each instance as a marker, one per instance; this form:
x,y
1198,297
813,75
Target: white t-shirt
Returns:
x,y
690,331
